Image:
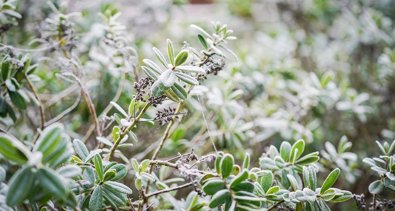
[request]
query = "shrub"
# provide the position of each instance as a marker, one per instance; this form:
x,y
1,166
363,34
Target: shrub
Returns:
x,y
94,117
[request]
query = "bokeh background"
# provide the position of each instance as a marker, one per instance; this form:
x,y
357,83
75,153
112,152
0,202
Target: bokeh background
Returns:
x,y
321,70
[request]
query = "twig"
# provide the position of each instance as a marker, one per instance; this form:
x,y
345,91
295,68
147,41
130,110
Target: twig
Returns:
x,y
169,189
53,99
374,202
40,105
162,141
65,112
166,133
126,130
275,205
163,163
91,107
87,98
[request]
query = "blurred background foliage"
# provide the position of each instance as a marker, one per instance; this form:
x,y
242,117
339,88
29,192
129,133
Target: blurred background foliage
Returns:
x,y
320,70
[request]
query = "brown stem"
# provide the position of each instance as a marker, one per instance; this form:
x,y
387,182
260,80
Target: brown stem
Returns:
x,y
87,98
91,107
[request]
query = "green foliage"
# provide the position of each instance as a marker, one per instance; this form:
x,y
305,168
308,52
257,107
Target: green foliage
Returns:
x,y
93,119
256,188
40,170
383,166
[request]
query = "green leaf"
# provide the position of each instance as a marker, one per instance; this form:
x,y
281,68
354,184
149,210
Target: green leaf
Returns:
x,y
52,182
5,70
17,99
244,186
69,171
49,140
227,163
204,32
219,198
239,178
218,163
121,171
202,41
92,154
294,182
158,89
330,180
80,149
2,174
115,198
153,66
308,159
273,190
266,180
310,177
179,91
170,51
299,207
347,195
12,85
99,167
181,58
187,78
110,174
160,56
376,187
117,187
296,150
246,161
135,165
96,200
150,73
193,69
206,178
61,153
171,95
328,194
20,185
285,150
267,163
212,186
13,150
115,133
168,78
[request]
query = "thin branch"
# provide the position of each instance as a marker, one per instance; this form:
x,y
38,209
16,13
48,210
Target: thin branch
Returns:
x,y
65,112
166,133
87,98
126,130
164,138
169,189
91,107
53,99
40,105
163,163
89,102
275,205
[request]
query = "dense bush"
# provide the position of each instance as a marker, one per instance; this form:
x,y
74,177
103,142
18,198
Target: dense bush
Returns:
x,y
283,117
